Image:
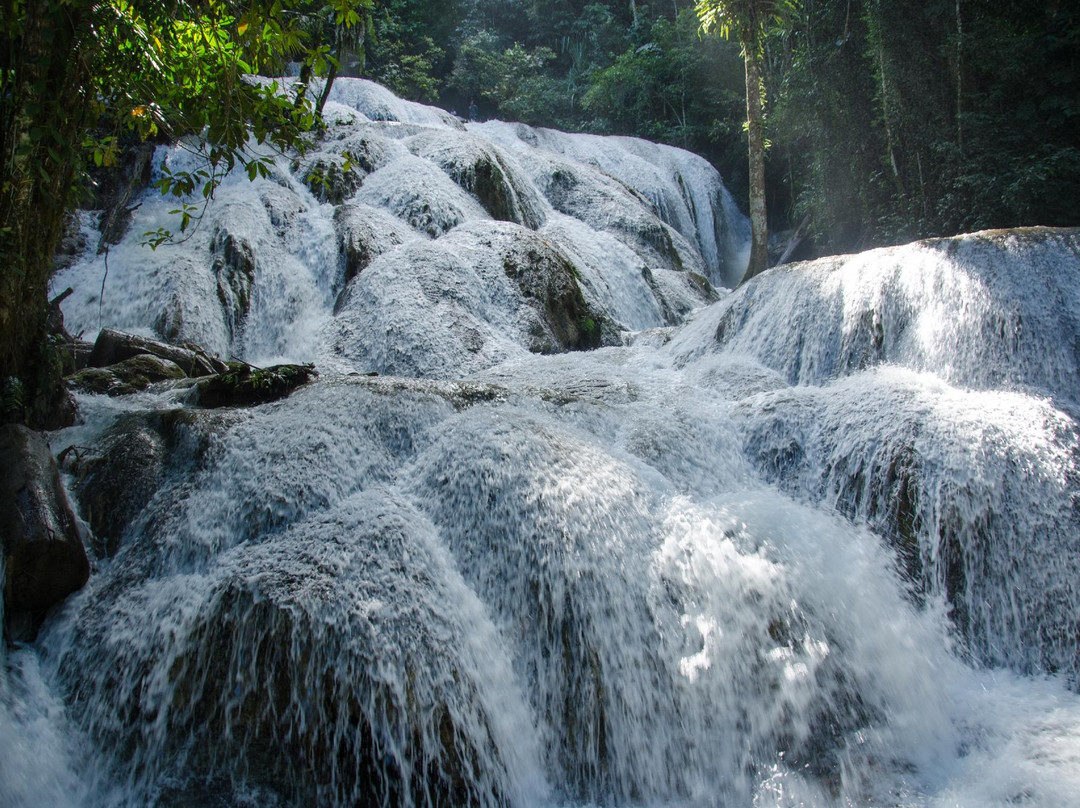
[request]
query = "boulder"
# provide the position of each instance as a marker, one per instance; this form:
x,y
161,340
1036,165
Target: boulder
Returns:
x,y
234,269
115,485
44,557
365,233
129,376
244,385
562,318
115,346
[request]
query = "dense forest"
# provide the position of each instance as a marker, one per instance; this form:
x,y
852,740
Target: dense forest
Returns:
x,y
886,121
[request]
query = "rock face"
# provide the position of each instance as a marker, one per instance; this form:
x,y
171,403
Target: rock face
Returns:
x,y
115,486
234,268
549,284
44,558
365,233
486,173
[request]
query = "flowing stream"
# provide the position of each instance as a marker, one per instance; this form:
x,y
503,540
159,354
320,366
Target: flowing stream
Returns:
x,y
815,542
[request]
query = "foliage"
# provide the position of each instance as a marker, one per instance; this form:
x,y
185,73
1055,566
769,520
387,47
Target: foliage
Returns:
x,y
409,47
673,88
511,78
80,77
904,123
748,21
751,21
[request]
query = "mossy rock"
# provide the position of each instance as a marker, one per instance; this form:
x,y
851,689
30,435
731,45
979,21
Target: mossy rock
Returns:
x,y
243,385
562,319
128,376
334,180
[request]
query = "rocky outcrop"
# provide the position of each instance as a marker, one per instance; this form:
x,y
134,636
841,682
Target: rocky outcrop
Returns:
x,y
482,170
44,557
234,268
243,385
115,346
561,319
365,233
128,376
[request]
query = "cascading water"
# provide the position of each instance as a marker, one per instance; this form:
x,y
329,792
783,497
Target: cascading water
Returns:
x,y
812,544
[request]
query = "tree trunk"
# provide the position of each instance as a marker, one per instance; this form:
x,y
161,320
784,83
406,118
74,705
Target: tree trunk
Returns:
x,y
759,238
325,94
37,171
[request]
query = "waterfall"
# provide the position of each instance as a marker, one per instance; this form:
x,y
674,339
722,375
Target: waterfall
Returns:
x,y
600,532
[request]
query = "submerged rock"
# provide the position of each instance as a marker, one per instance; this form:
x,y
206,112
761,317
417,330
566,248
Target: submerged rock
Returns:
x,y
44,559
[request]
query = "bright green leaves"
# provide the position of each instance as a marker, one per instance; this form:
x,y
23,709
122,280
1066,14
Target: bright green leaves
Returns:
x,y
104,151
748,20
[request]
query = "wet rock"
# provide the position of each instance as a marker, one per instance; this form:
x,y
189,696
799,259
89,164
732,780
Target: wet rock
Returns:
x,y
496,183
128,376
282,206
333,180
114,482
115,346
114,486
609,205
418,193
244,385
44,558
365,233
678,293
234,269
563,319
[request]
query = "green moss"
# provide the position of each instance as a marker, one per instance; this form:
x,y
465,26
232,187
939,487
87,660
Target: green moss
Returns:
x,y
243,385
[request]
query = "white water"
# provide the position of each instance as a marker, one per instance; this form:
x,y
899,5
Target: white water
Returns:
x,y
661,573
